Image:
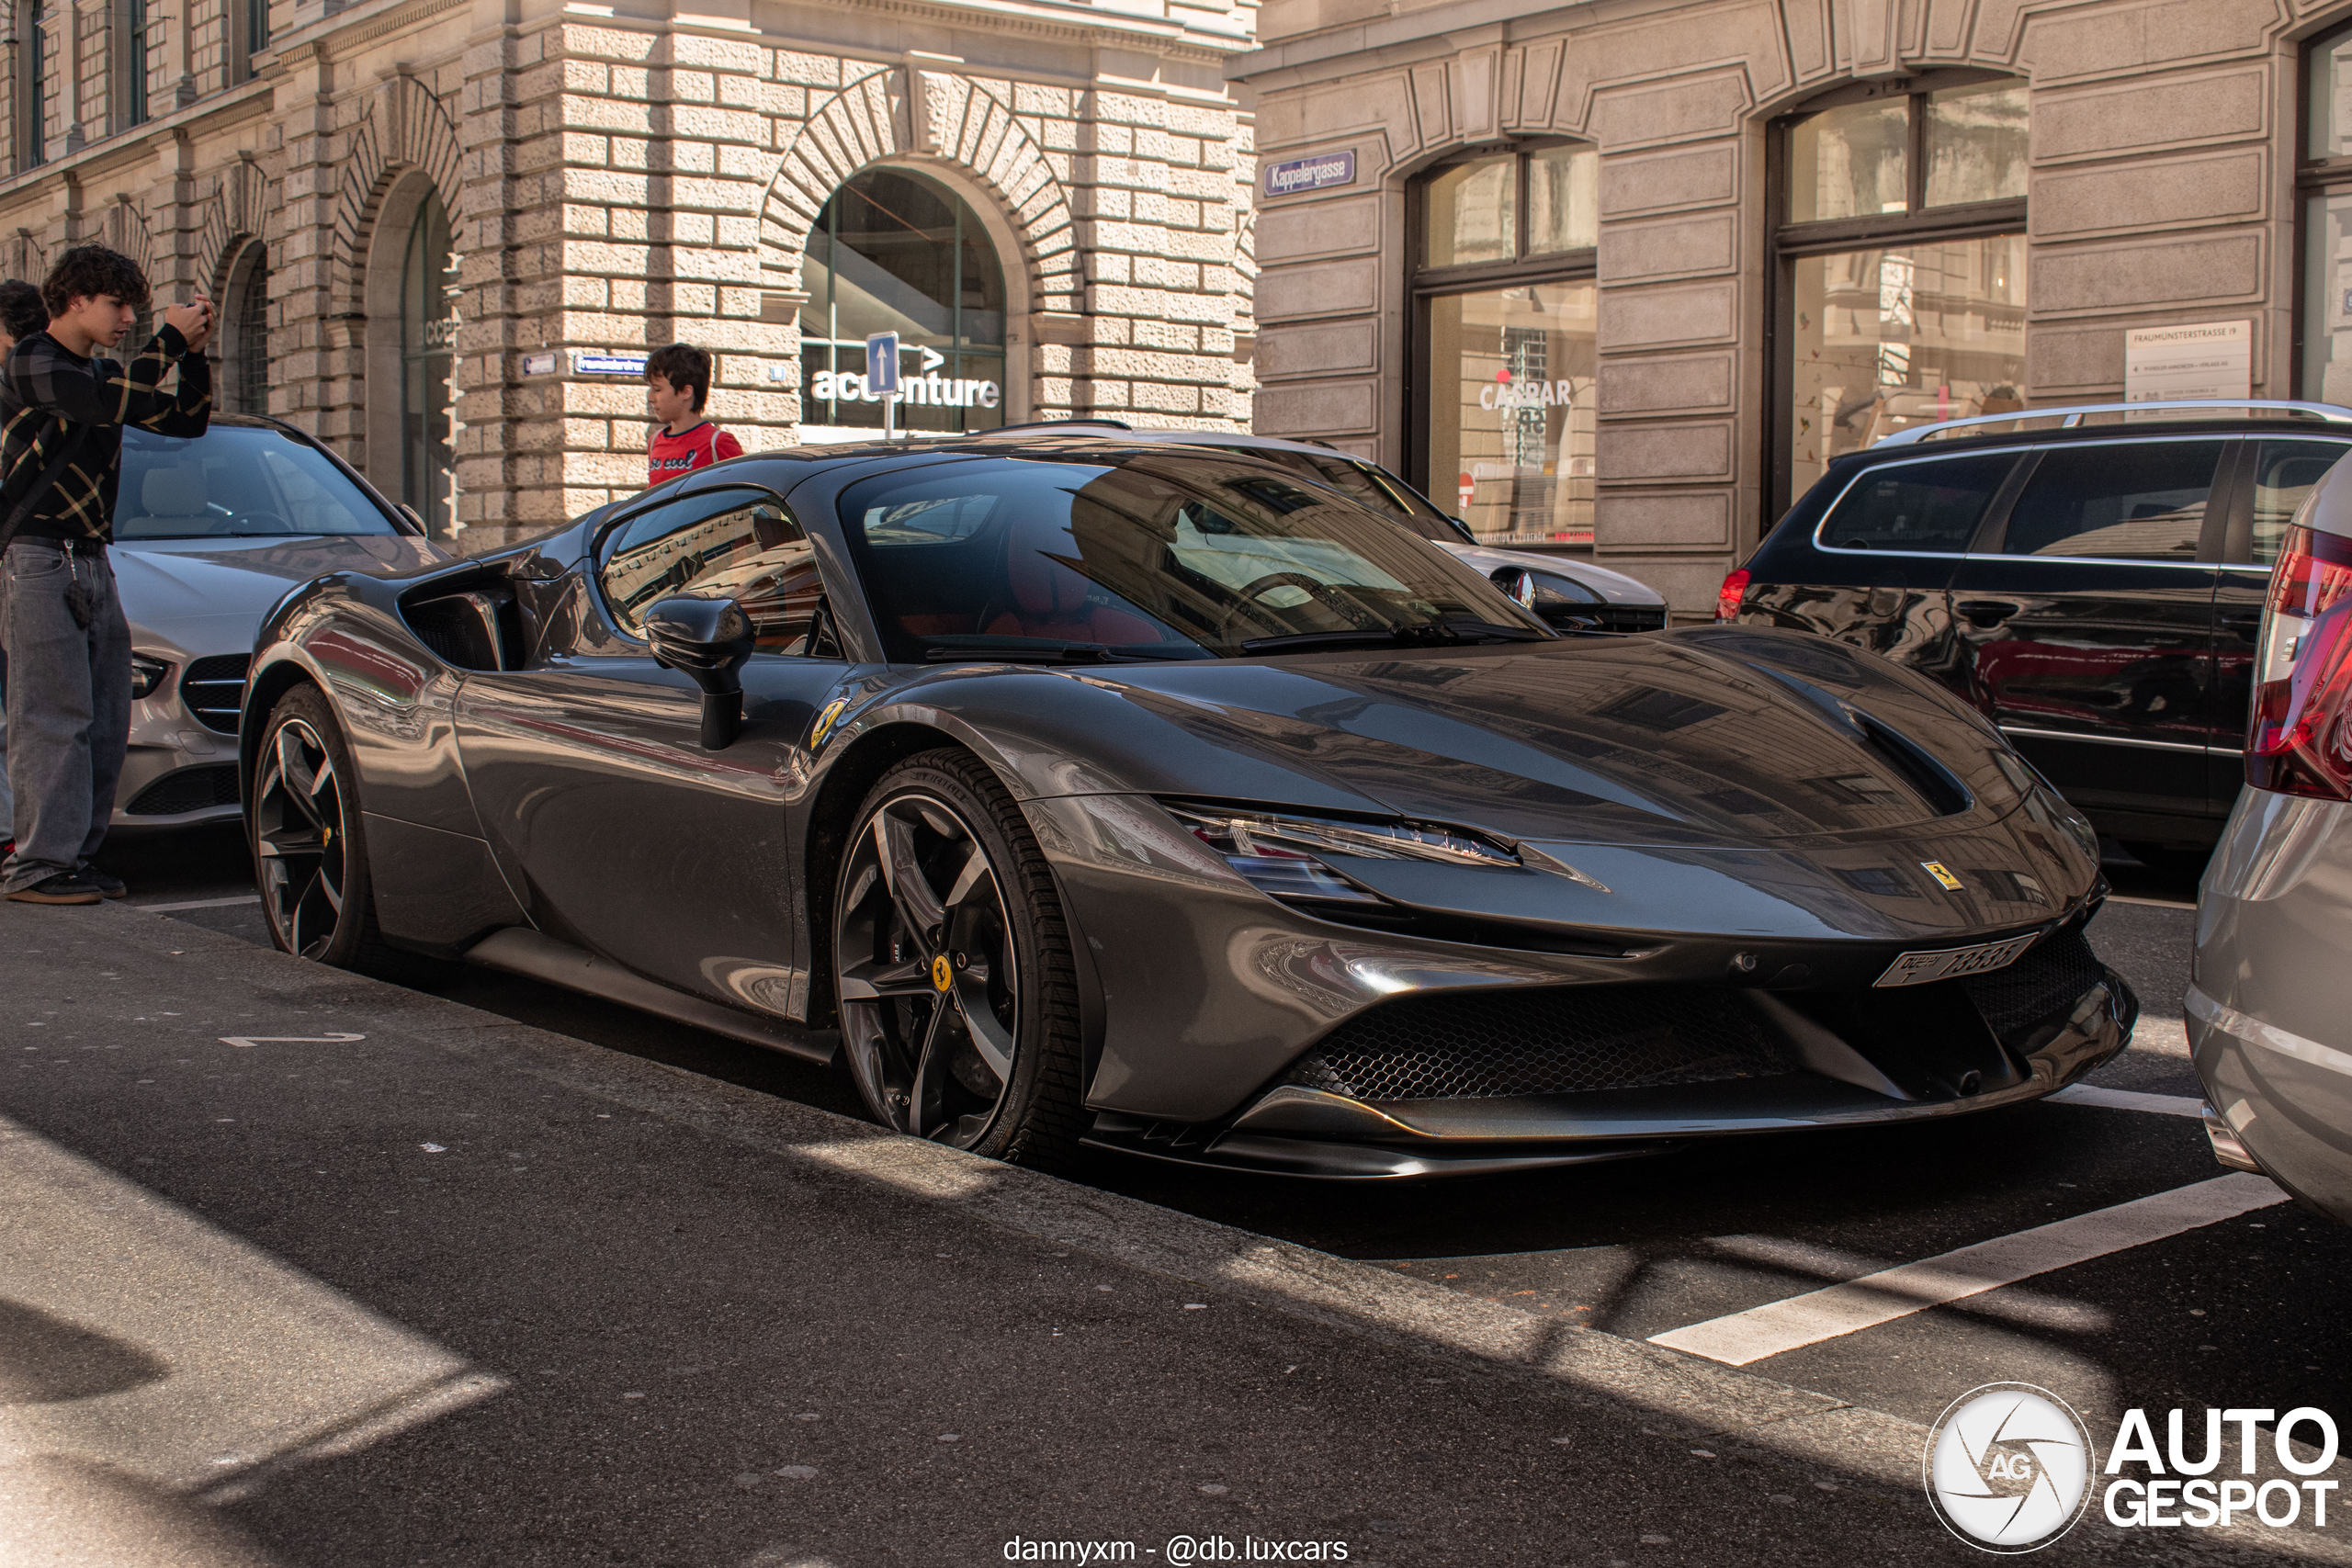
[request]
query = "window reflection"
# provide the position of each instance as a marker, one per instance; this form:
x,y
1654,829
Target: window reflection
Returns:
x,y
1850,161
751,551
1511,411
1474,214
1888,338
1976,144
1563,200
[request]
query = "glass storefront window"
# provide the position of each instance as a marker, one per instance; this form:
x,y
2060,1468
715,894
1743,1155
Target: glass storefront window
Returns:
x,y
894,252
1512,416
1850,161
1474,214
1903,298
1902,335
1976,144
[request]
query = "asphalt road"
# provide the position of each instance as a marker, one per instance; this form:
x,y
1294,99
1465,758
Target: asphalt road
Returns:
x,y
2241,1312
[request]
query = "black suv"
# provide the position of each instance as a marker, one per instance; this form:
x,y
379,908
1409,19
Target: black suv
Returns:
x,y
2092,579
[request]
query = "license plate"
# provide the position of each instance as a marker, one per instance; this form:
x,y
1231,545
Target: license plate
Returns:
x,y
1919,968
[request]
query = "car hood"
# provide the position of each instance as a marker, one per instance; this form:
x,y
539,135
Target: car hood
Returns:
x,y
196,593
1707,738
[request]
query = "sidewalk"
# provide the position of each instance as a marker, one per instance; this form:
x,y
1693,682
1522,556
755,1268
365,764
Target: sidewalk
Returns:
x,y
452,1291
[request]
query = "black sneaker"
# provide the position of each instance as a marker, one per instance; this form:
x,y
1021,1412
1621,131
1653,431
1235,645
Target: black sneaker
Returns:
x,y
66,887
107,887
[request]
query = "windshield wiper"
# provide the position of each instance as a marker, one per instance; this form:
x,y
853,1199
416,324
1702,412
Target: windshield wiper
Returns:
x,y
1044,649
1419,634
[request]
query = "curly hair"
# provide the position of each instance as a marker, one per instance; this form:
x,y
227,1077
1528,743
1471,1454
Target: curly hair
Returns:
x,y
22,313
92,270
685,367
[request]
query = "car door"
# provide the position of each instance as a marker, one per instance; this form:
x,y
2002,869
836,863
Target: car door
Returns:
x,y
1877,572
2275,476
588,773
2084,622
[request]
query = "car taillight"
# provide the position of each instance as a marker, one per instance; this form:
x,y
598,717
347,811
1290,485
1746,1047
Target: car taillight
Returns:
x,y
1728,596
2298,743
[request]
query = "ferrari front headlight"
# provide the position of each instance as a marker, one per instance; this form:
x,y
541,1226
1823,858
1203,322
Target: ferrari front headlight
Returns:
x,y
1281,854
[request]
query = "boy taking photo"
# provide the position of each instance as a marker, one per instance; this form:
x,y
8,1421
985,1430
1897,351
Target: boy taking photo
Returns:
x,y
63,407
677,380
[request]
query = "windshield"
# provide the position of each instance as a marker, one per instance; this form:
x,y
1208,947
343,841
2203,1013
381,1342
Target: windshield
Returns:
x,y
235,481
1367,482
1154,554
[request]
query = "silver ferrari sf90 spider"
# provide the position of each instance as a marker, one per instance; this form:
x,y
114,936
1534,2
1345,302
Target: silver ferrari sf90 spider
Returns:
x,y
1157,799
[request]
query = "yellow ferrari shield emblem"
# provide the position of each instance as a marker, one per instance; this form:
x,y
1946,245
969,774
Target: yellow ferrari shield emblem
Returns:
x,y
1943,874
943,974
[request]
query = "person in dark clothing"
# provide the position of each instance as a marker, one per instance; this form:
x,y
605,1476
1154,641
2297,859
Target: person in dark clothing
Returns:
x,y
62,408
21,315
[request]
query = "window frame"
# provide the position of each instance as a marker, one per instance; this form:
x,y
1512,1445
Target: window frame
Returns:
x,y
1426,284
1791,242
2313,177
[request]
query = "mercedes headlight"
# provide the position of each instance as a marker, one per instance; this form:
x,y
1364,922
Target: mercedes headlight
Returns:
x,y
147,672
1281,854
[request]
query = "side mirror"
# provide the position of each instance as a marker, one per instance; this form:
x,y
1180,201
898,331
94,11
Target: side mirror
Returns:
x,y
709,640
1559,602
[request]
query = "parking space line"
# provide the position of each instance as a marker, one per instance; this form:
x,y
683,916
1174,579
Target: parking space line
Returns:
x,y
1778,1326
2132,1100
200,904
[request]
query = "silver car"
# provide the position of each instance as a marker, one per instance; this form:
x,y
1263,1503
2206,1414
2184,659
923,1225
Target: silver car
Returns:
x,y
1571,593
210,533
2266,1004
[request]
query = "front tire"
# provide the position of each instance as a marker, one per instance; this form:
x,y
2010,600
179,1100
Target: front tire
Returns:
x,y
952,967
310,850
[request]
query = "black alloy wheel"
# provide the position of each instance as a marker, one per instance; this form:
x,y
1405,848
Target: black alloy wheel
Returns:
x,y
952,967
310,857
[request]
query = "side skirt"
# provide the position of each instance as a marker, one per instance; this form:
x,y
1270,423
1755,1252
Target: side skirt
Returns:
x,y
539,957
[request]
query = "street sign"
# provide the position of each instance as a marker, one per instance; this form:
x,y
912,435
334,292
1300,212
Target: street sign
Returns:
x,y
882,361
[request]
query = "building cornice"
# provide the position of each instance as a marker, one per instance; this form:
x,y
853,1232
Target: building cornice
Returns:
x,y
1416,33
246,100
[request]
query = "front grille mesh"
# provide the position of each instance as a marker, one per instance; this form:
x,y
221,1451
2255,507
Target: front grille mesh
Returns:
x,y
1553,1041
2053,974
214,689
186,789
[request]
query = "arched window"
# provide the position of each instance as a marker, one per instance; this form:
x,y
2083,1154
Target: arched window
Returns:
x,y
428,343
895,252
1505,347
2325,177
1900,264
243,386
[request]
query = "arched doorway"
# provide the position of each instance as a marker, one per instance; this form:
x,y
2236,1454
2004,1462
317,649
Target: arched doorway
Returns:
x,y
895,250
243,386
428,364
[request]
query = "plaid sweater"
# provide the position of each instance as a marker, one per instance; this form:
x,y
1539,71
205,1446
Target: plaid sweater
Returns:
x,y
46,391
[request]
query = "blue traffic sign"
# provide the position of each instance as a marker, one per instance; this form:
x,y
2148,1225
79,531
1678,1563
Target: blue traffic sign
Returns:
x,y
882,361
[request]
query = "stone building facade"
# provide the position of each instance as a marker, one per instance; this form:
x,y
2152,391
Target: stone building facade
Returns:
x,y
1620,274
438,230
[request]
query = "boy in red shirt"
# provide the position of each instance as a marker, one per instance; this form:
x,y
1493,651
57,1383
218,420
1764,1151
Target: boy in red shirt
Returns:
x,y
677,380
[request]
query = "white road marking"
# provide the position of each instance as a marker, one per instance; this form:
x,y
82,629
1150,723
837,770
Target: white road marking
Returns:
x,y
289,1039
2132,1100
200,904
2151,903
1777,1326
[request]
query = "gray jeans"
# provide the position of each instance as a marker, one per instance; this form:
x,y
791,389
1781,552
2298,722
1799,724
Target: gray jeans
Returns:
x,y
68,707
